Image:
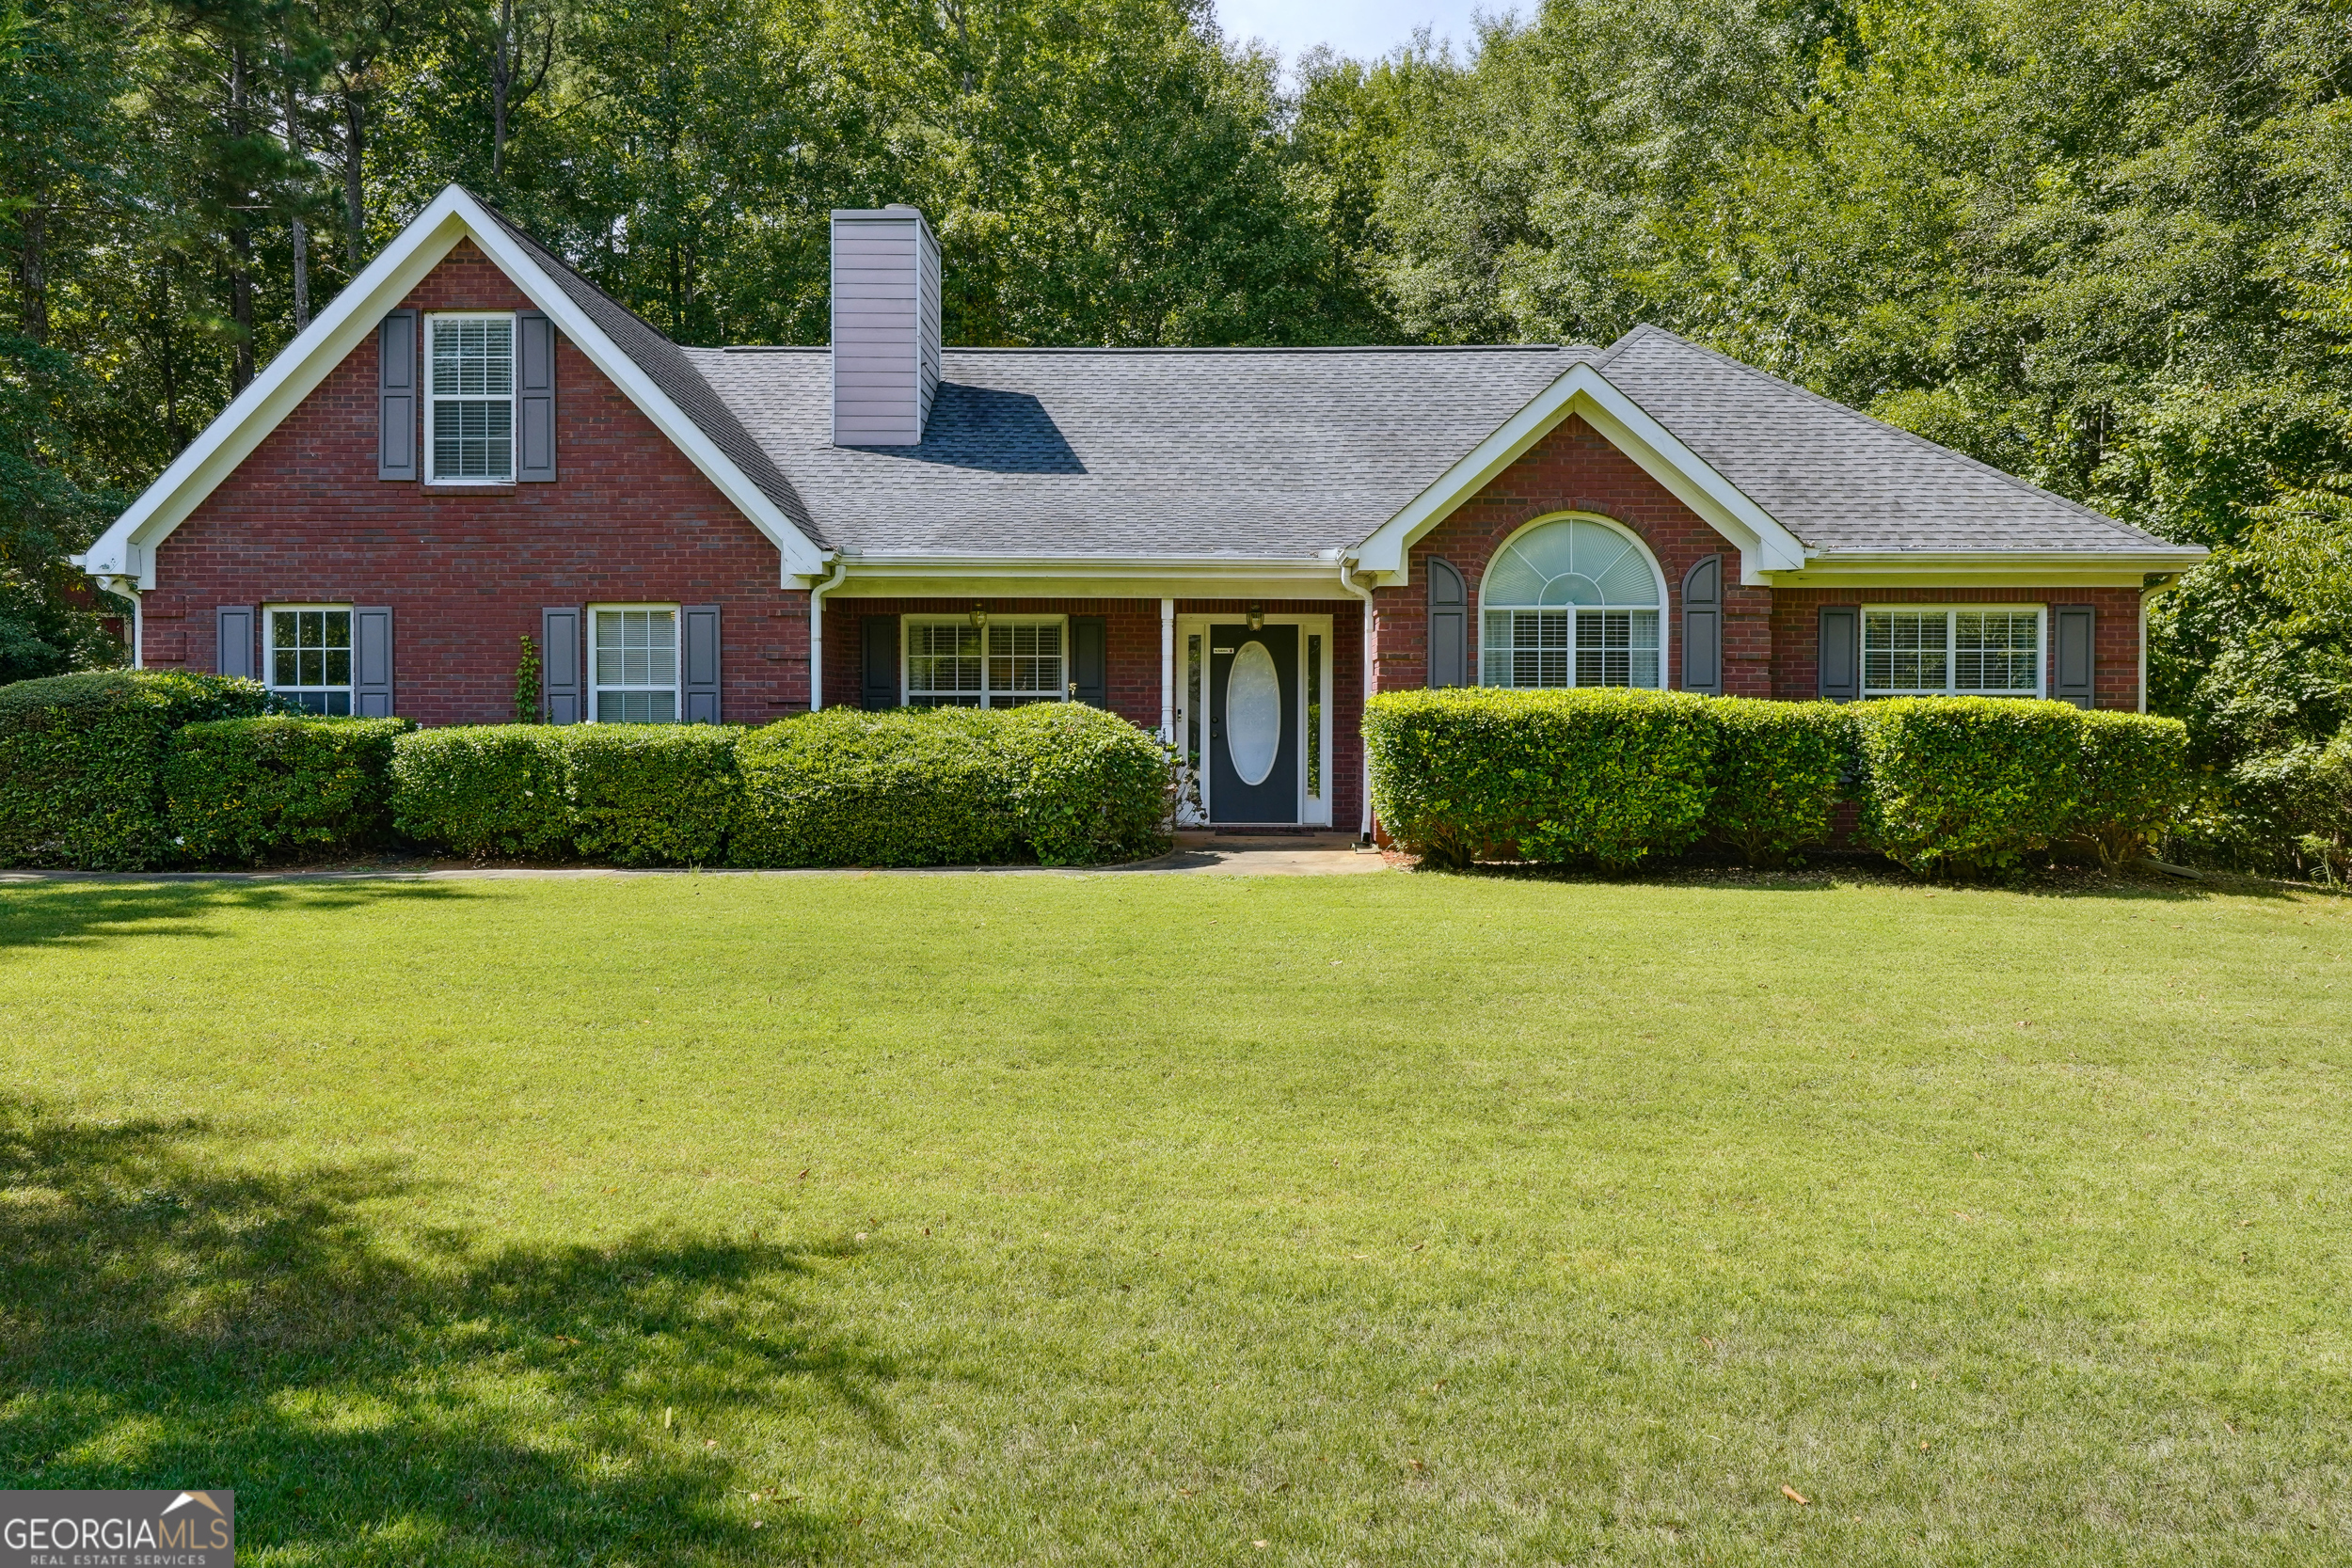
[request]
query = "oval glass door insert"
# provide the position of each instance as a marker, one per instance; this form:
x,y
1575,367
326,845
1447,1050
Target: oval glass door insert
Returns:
x,y
1253,713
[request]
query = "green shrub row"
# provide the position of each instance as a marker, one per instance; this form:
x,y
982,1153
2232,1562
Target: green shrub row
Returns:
x,y
1944,785
130,770
82,763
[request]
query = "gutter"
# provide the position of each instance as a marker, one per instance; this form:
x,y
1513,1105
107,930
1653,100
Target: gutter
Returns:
x,y
1347,582
124,587
817,631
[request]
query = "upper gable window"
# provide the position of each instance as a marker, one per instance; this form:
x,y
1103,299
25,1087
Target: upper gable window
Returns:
x,y
469,410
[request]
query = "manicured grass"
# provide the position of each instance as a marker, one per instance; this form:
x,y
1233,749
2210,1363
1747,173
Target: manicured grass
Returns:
x,y
1383,1220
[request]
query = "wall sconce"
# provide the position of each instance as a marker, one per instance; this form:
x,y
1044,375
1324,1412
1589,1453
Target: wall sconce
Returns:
x,y
979,615
1257,617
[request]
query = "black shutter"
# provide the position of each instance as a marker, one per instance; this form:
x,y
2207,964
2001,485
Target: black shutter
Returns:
x,y
396,396
1449,625
563,697
1841,652
2075,651
1091,660
1703,627
701,663
535,398
372,663
880,638
236,654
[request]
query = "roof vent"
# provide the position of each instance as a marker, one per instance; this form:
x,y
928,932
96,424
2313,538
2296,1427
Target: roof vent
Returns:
x,y
885,327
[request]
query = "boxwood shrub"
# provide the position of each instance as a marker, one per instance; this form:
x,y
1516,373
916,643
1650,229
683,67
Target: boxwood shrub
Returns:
x,y
953,787
1960,786
1605,775
651,794
240,791
484,789
1778,770
81,763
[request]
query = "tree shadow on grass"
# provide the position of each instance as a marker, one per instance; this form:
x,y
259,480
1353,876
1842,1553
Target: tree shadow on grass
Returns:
x,y
168,1321
33,914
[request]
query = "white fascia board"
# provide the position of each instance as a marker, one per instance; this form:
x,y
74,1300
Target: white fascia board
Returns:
x,y
1991,568
1764,545
127,546
915,575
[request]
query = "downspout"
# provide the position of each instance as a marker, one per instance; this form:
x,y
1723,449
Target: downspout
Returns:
x,y
1347,581
817,631
1168,672
138,617
2147,597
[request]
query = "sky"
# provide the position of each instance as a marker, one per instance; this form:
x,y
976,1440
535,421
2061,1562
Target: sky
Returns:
x,y
1363,28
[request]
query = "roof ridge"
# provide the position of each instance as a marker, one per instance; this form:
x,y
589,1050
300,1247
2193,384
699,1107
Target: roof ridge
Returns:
x,y
1913,436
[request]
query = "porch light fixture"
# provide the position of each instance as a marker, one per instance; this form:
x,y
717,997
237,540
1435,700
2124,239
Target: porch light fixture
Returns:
x,y
979,614
1257,617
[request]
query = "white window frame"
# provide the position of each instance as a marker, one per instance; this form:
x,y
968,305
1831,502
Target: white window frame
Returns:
x,y
1952,614
269,651
1574,613
676,687
907,694
433,403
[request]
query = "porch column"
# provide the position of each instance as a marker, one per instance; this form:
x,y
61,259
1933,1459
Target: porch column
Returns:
x,y
1168,672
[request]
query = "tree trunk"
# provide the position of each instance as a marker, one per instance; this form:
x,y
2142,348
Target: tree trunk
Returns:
x,y
32,274
354,193
301,232
501,79
241,227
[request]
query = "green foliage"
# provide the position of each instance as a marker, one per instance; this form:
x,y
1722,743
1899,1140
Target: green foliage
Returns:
x,y
1963,786
950,786
80,762
243,791
1086,788
527,683
651,794
1777,770
483,790
1609,776
2132,782
2294,802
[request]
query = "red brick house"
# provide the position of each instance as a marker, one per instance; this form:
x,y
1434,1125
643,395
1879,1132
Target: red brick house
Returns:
x,y
474,446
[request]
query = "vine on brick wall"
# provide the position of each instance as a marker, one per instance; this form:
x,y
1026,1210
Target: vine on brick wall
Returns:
x,y
527,683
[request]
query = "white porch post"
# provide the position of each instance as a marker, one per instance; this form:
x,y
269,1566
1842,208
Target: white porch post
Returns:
x,y
1168,672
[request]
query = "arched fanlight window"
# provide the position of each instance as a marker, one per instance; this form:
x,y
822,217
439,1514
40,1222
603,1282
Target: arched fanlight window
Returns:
x,y
1572,602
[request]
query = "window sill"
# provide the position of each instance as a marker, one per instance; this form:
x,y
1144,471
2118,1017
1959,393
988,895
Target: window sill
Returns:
x,y
471,485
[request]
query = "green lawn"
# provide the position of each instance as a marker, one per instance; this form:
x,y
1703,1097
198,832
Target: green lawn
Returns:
x,y
1083,1219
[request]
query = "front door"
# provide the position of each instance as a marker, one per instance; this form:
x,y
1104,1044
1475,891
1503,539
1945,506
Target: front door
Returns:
x,y
1253,724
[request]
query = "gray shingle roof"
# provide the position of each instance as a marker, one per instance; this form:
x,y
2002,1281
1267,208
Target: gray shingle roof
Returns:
x,y
1264,452
1839,479
667,367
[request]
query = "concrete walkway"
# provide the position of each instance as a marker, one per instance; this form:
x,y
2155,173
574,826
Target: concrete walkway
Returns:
x,y
1196,854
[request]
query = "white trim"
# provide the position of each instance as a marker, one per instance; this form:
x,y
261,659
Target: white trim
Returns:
x,y
268,629
127,546
432,401
1107,576
1763,543
2040,613
1363,703
817,631
907,622
1864,569
1658,578
1305,811
676,687
1168,672
2148,596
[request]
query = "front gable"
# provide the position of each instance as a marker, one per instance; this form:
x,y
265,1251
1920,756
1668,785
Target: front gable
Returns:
x,y
490,262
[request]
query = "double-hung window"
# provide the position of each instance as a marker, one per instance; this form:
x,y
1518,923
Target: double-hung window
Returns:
x,y
1572,602
632,653
1939,651
309,659
469,406
1005,663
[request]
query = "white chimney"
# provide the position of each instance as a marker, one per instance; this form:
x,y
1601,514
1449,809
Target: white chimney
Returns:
x,y
885,327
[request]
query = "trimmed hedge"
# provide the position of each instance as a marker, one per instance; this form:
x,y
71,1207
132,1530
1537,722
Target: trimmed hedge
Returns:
x,y
481,790
2134,782
239,791
1960,786
81,761
1606,775
1778,770
1056,781
651,794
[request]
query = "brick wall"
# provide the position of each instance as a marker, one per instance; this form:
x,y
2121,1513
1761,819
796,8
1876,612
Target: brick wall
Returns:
x,y
1133,628
304,519
1797,632
1575,469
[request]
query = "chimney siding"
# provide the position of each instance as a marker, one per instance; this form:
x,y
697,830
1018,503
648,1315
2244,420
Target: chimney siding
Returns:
x,y
885,327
